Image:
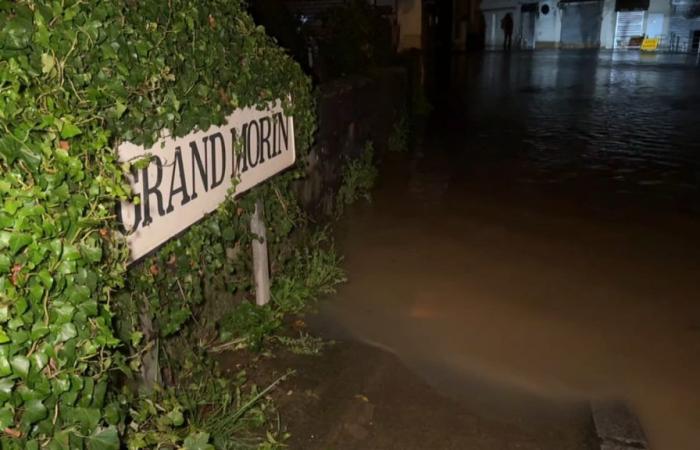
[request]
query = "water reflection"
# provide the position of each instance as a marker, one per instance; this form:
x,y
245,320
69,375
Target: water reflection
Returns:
x,y
540,246
610,115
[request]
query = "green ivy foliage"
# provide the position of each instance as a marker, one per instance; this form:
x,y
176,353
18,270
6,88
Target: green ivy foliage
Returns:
x,y
76,79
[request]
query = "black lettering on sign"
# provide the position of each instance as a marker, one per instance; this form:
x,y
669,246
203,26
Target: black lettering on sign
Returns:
x,y
234,146
283,135
202,168
275,148
212,140
178,173
249,149
149,190
243,155
265,131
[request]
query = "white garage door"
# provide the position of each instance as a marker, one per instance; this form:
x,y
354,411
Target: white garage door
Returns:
x,y
629,24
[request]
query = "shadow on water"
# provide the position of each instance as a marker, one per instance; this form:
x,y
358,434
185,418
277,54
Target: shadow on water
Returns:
x,y
540,246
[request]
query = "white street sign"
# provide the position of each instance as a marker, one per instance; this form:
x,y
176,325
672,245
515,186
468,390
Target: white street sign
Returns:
x,y
189,177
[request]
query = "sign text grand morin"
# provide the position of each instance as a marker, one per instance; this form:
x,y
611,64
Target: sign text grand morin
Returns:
x,y
190,176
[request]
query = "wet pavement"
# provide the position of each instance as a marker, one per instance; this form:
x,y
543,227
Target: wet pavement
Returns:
x,y
626,120
539,247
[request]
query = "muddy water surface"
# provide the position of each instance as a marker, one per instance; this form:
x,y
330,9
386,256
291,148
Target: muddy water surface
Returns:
x,y
540,246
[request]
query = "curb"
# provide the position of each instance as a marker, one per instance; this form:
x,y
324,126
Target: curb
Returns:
x,y
617,427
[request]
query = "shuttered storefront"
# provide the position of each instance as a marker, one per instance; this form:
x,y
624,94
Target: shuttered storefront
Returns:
x,y
684,26
629,24
580,24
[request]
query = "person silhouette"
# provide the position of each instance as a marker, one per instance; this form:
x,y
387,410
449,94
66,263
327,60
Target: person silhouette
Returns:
x,y
507,27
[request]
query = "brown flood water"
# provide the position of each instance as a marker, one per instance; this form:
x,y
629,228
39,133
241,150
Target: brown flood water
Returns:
x,y
524,264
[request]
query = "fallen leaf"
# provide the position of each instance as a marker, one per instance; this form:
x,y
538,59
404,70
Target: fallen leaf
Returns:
x,y
16,269
13,433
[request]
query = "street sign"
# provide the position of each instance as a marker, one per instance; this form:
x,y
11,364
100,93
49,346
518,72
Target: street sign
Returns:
x,y
189,177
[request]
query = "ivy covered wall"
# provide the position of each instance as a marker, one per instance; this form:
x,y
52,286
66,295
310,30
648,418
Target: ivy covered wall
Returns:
x,y
76,79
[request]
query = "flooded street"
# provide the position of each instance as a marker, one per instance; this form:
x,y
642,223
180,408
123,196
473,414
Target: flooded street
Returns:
x,y
539,246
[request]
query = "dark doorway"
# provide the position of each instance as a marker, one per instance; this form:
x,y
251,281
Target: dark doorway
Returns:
x,y
580,24
438,25
437,31
528,16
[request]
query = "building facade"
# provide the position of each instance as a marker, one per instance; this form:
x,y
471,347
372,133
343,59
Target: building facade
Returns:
x,y
609,24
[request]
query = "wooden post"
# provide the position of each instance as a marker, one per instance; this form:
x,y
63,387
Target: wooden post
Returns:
x,y
150,367
260,263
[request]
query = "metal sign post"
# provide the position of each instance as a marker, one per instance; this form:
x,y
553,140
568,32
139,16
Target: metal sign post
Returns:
x,y
261,268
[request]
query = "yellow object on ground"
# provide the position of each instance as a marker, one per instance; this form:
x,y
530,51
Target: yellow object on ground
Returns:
x,y
650,44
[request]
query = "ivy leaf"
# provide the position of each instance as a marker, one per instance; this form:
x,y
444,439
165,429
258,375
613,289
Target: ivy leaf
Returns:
x,y
34,411
176,417
47,63
4,235
136,337
39,330
17,33
42,36
5,367
119,109
68,130
46,278
20,365
198,441
70,253
98,396
60,385
60,441
68,331
7,417
39,360
103,439
6,386
3,336
87,418
112,413
18,241
92,253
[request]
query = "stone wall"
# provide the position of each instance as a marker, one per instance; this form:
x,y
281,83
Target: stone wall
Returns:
x,y
351,111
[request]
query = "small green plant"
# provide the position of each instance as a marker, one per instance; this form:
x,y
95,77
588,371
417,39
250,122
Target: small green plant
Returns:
x,y
250,324
398,140
234,413
203,410
312,271
304,344
358,178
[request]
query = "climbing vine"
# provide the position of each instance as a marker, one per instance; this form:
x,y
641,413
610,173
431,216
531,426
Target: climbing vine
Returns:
x,y
76,79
